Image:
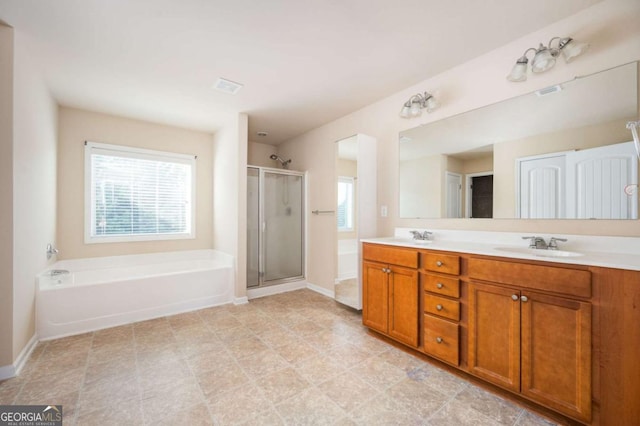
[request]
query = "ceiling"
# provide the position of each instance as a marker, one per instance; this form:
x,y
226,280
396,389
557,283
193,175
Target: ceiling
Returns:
x,y
302,64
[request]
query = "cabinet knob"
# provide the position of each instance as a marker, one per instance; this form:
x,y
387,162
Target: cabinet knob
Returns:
x,y
439,339
524,298
439,307
439,263
514,297
439,285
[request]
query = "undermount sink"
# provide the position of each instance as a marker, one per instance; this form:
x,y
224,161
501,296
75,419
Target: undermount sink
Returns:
x,y
540,252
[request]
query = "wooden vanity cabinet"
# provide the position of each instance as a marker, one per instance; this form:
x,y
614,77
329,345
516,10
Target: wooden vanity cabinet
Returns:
x,y
390,292
529,342
441,305
572,345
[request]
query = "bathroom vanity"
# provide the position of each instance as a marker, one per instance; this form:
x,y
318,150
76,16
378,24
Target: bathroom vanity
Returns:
x,y
562,332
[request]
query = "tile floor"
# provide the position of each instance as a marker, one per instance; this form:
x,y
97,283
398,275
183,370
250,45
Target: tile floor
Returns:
x,y
295,358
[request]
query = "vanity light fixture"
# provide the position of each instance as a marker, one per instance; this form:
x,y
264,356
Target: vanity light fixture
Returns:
x,y
544,57
414,106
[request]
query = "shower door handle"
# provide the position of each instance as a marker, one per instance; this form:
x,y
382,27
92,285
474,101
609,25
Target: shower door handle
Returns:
x,y
264,226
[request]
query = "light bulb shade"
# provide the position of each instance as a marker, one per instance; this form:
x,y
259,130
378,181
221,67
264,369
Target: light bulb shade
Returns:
x,y
571,49
518,72
543,60
416,109
431,104
405,112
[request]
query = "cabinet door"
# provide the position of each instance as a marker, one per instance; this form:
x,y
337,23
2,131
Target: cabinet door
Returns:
x,y
556,353
403,305
494,334
375,296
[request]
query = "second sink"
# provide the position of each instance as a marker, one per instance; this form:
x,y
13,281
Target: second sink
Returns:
x,y
540,252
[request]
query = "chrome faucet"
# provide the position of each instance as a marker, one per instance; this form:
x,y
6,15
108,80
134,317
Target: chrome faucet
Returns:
x,y
421,236
51,251
553,243
540,243
536,242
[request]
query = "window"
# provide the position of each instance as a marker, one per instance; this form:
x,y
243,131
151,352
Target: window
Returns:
x,y
345,203
136,194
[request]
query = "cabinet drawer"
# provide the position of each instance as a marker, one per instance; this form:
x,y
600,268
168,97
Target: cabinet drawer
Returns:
x,y
440,306
391,255
438,262
441,285
441,339
571,282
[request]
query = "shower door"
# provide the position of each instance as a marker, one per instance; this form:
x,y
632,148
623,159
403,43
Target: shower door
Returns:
x,y
275,234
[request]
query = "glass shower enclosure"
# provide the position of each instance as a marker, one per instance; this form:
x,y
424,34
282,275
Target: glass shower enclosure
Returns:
x,y
275,226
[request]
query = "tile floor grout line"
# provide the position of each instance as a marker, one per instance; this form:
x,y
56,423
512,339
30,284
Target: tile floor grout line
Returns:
x,y
76,414
183,359
138,370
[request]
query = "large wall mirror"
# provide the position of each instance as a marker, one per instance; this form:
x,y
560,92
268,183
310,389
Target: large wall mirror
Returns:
x,y
560,152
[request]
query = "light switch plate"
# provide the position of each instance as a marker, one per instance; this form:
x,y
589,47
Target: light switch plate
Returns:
x,y
383,211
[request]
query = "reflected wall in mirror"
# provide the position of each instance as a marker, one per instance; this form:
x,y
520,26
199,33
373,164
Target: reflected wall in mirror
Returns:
x,y
356,202
560,152
346,288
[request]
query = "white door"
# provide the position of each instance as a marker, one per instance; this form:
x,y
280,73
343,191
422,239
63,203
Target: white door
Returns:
x,y
541,188
453,195
600,183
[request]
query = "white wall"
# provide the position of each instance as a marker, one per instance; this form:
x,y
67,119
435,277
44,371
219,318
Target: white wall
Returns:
x,y
612,28
258,155
6,197
34,195
230,196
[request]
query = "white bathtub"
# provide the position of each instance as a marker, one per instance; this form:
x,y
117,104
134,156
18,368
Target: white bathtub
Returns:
x,y
109,291
347,259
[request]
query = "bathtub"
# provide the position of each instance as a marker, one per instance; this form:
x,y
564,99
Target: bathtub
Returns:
x,y
347,259
109,291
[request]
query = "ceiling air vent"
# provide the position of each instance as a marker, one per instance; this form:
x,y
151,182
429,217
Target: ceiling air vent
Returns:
x,y
549,90
227,86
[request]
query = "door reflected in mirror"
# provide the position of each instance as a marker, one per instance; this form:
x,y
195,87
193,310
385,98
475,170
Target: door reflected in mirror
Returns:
x,y
540,155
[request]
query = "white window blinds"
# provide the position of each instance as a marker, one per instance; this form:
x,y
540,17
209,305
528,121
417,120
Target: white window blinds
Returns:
x,y
137,194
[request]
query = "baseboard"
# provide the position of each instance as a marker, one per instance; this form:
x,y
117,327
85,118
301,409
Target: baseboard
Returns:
x,y
9,371
254,293
25,354
240,300
321,290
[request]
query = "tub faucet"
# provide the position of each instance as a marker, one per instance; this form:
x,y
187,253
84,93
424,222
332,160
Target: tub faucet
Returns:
x,y
51,251
421,236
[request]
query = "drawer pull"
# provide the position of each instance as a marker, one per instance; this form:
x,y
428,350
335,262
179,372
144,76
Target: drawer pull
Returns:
x,y
439,307
524,298
439,339
439,263
439,285
514,297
